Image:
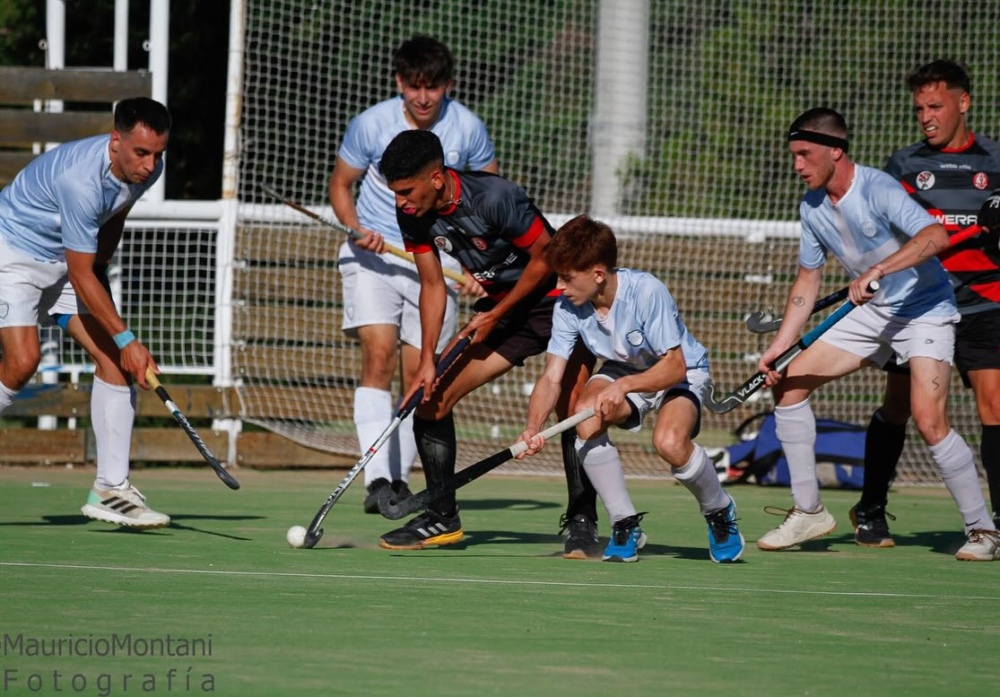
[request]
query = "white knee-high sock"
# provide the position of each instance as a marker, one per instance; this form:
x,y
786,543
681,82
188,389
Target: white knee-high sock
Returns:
x,y
112,414
699,477
372,415
404,452
6,397
796,429
600,459
953,458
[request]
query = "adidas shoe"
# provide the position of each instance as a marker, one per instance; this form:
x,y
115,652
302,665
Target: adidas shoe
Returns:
x,y
798,527
725,543
123,505
983,545
371,500
870,527
429,529
627,538
581,537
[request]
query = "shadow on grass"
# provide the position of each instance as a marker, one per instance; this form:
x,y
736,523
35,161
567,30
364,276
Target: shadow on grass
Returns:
x,y
511,504
175,524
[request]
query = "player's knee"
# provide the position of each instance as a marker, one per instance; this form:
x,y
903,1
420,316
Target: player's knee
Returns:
x,y
672,446
989,407
932,425
20,366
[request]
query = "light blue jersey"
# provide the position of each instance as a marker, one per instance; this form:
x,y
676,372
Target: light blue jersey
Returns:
x,y
642,325
463,136
874,219
63,197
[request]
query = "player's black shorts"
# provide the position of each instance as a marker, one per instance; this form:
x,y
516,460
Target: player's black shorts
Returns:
x,y
977,343
523,332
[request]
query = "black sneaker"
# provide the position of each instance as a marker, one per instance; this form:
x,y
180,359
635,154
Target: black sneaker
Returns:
x,y
371,500
581,537
871,528
428,529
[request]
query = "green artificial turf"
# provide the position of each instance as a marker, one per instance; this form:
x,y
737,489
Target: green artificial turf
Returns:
x,y
502,613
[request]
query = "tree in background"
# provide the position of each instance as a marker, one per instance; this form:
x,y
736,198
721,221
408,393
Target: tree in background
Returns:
x,y
199,38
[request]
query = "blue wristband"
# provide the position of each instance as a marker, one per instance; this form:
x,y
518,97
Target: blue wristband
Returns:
x,y
124,339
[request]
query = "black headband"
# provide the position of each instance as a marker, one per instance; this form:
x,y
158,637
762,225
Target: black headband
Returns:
x,y
818,138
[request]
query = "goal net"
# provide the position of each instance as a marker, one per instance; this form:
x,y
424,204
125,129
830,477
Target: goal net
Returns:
x,y
708,201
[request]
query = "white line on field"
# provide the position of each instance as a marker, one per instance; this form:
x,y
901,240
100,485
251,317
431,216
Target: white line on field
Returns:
x,y
494,581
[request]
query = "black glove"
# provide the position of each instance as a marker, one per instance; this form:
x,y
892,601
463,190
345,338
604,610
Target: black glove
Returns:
x,y
989,214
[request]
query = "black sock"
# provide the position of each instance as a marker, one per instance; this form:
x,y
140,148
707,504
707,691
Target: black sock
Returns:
x,y
582,495
436,446
989,450
883,446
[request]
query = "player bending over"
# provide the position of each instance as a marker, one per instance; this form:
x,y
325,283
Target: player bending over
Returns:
x,y
651,362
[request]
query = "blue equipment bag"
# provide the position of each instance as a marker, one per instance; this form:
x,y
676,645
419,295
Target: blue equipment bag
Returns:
x,y
840,454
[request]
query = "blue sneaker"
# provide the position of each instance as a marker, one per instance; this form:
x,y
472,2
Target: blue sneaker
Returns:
x,y
627,538
725,543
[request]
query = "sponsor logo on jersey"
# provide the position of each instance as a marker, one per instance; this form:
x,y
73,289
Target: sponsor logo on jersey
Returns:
x,y
443,243
868,229
981,181
925,180
634,337
479,243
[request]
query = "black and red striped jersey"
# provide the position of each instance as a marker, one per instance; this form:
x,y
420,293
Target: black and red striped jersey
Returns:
x,y
488,229
952,184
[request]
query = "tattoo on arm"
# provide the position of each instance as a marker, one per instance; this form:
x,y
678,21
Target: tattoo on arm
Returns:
x,y
798,301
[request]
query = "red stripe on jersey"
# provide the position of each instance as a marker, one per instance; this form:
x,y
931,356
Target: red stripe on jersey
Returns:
x,y
990,291
528,238
413,248
456,195
967,260
966,146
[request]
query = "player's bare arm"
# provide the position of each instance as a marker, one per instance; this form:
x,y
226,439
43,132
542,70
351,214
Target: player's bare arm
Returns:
x,y
342,181
924,245
801,297
134,357
544,396
536,272
433,298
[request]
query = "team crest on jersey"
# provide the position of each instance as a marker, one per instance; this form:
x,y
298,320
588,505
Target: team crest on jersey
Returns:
x,y
479,243
443,243
4,309
634,337
981,181
451,158
868,229
925,180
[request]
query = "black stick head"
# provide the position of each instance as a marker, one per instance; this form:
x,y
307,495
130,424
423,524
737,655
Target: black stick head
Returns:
x,y
763,322
312,537
227,479
714,405
388,506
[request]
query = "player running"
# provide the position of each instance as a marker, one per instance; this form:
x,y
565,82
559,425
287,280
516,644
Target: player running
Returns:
x,y
489,225
651,363
61,220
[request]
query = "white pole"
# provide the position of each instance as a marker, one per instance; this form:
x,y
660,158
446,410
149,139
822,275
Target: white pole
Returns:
x,y
225,247
159,62
120,60
618,128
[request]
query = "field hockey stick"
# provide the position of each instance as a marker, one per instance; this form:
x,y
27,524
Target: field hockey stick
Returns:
x,y
394,511
351,232
162,393
314,531
727,403
760,322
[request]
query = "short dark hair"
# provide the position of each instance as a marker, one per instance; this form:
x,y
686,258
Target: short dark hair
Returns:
x,y
409,154
135,110
423,58
821,120
581,244
950,72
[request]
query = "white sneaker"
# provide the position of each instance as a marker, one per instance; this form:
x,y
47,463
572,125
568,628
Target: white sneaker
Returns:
x,y
123,505
798,527
983,545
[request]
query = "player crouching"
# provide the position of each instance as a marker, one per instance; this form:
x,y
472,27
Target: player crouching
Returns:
x,y
651,362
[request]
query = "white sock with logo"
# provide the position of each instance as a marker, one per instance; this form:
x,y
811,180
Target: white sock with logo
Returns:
x,y
954,460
